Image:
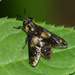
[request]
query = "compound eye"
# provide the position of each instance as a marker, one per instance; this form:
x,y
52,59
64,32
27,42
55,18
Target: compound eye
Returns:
x,y
24,22
30,19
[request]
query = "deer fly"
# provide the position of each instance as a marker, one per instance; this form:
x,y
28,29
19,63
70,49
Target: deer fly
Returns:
x,y
39,40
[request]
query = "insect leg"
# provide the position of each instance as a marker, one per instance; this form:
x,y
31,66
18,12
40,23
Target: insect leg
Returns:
x,y
20,27
25,42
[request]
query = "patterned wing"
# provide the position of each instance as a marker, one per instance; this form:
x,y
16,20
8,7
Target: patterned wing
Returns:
x,y
46,50
55,40
34,52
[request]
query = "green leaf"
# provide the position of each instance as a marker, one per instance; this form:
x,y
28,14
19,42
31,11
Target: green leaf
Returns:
x,y
14,60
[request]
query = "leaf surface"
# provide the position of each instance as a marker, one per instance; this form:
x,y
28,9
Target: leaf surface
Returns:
x,y
14,60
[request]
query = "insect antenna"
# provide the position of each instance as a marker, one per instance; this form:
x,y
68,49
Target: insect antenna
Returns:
x,y
25,14
20,16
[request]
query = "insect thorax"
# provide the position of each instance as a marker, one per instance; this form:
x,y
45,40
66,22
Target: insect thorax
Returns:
x,y
32,28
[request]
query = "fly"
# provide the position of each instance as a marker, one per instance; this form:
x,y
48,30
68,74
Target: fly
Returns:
x,y
39,40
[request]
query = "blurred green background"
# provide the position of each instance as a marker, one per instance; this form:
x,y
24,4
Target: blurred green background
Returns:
x,y
58,12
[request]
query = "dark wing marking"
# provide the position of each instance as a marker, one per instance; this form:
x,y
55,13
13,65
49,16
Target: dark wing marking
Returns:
x,y
34,52
46,51
55,40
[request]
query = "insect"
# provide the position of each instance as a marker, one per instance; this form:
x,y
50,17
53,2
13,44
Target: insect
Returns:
x,y
39,40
